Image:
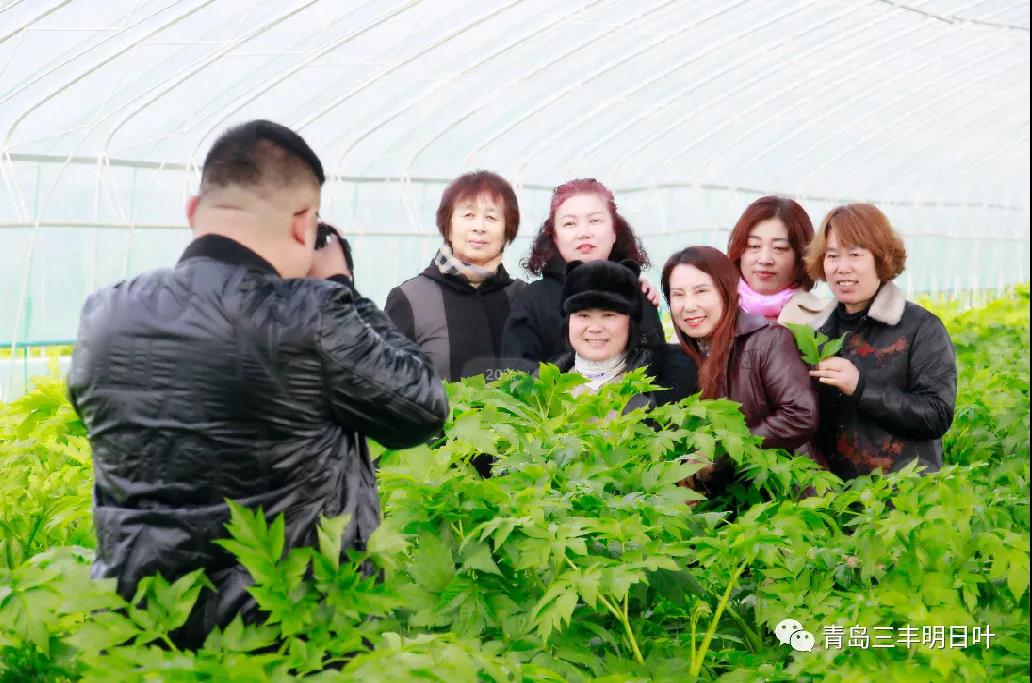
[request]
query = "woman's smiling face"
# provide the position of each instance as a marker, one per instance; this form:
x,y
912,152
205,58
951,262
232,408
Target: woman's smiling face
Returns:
x,y
768,262
584,229
477,233
851,273
695,304
597,334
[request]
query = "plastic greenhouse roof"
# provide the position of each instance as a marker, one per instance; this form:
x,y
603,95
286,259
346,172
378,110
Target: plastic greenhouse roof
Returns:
x,y
687,109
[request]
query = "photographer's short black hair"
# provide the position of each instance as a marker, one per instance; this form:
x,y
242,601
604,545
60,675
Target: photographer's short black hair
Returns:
x,y
258,153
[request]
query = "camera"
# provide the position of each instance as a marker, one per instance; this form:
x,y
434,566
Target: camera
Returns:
x,y
325,233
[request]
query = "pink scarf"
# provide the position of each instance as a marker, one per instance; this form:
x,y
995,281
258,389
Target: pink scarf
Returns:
x,y
767,305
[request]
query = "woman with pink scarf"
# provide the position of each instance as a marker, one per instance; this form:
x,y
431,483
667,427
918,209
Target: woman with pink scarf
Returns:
x,y
767,245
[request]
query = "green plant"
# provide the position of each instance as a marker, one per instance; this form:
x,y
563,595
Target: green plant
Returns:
x,y
46,485
814,346
579,560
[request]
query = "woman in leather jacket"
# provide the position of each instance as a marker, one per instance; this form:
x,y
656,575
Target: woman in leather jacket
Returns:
x,y
740,356
888,397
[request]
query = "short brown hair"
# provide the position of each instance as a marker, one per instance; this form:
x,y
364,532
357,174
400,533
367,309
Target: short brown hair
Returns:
x,y
472,185
864,226
797,224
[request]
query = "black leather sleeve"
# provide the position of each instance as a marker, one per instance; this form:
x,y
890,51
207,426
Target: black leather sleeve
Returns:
x,y
379,383
924,410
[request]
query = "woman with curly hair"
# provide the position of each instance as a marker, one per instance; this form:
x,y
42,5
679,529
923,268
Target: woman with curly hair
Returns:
x,y
583,225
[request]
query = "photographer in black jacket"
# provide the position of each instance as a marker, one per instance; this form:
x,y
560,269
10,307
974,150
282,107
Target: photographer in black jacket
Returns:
x,y
251,371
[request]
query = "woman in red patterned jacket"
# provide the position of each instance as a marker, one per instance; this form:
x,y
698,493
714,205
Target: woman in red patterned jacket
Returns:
x,y
888,397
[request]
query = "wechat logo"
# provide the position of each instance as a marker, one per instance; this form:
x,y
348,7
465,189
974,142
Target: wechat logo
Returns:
x,y
790,632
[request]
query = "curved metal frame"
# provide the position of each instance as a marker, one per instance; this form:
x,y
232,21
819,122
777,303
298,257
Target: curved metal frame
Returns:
x,y
414,156
976,181
455,77
634,121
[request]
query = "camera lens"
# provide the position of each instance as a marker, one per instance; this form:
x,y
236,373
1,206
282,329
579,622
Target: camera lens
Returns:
x,y
322,235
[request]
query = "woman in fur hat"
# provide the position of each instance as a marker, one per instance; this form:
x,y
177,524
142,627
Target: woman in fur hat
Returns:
x,y
888,397
603,307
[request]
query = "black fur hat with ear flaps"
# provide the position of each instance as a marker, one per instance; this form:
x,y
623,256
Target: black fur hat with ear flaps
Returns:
x,y
607,285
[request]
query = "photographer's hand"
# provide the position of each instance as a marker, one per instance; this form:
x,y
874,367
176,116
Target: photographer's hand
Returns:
x,y
329,261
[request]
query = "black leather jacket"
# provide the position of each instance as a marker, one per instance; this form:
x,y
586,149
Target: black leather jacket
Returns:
x,y
904,402
219,380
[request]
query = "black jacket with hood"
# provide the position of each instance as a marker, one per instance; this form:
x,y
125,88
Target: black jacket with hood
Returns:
x,y
219,380
457,325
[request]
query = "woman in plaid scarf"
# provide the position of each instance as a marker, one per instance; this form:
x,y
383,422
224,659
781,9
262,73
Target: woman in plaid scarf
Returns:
x,y
456,308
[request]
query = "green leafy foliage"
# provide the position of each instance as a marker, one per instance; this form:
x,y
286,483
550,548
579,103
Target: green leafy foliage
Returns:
x,y
47,474
991,425
814,346
579,560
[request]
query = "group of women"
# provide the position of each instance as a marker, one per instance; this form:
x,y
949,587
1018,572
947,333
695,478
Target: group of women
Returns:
x,y
885,400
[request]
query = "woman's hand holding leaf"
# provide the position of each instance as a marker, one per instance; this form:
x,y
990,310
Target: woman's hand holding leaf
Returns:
x,y
839,373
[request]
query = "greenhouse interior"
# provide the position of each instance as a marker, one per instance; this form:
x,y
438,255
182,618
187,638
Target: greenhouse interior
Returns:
x,y
687,111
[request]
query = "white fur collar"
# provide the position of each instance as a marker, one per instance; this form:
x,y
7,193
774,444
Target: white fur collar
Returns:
x,y
887,307
809,302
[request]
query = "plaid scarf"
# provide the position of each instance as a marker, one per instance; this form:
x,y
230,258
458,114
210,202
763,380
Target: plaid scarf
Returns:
x,y
449,265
